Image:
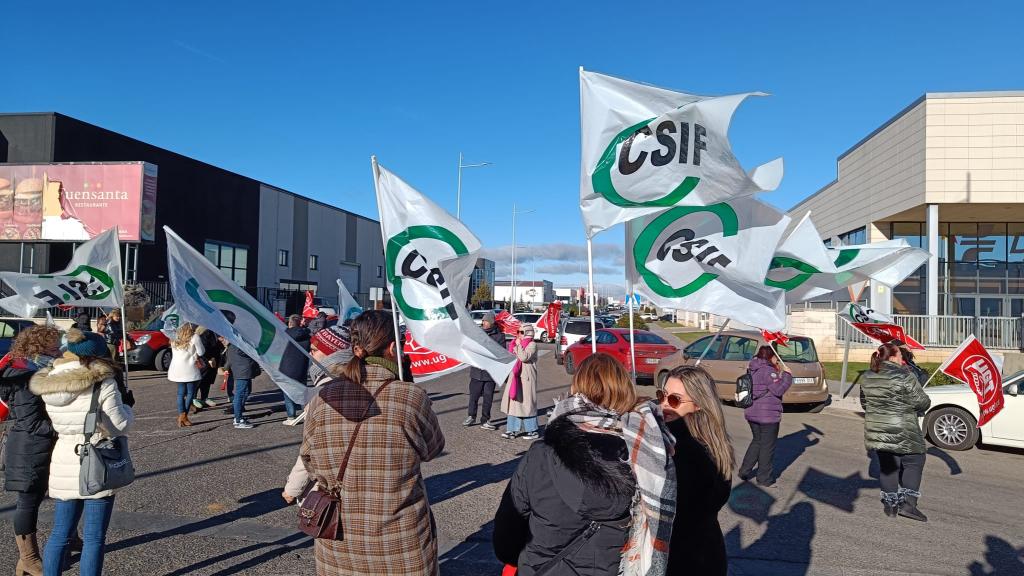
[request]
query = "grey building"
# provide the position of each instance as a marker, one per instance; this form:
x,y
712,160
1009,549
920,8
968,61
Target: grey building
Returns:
x,y
483,273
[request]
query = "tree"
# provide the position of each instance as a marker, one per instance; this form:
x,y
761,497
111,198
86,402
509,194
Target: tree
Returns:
x,y
482,294
638,322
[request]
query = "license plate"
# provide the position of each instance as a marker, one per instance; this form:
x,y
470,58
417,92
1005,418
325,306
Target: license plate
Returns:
x,y
803,380
652,360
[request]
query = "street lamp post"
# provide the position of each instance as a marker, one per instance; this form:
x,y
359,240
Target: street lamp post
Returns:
x,y
458,195
515,212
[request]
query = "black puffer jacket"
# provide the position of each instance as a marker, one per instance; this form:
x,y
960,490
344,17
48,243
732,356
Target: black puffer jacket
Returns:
x,y
295,364
892,398
30,435
499,338
563,484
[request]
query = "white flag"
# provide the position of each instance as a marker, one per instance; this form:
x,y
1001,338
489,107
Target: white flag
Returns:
x,y
803,266
710,259
888,262
91,280
169,322
429,259
205,296
645,149
348,308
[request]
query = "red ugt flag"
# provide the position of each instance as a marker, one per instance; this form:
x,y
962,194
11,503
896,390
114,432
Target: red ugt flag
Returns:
x,y
309,310
778,337
549,321
887,333
972,364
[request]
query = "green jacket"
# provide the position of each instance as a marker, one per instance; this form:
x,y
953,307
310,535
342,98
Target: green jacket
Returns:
x,y
892,399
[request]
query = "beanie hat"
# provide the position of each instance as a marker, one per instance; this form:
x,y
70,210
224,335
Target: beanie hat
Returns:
x,y
86,344
330,340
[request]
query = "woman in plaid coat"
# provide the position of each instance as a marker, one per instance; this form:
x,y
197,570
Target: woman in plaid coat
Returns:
x,y
386,526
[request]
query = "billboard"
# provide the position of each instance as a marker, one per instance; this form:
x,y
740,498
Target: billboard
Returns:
x,y
76,202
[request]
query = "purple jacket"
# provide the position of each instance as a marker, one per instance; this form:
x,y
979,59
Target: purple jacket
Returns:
x,y
769,386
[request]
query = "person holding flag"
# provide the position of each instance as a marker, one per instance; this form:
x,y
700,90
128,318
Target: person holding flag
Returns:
x,y
481,384
771,380
892,398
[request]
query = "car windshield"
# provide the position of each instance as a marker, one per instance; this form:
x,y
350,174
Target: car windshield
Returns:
x,y
578,328
645,338
799,350
531,318
157,324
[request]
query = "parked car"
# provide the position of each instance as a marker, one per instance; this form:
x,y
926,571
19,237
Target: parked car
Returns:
x,y
532,318
730,354
650,349
9,330
951,422
151,347
570,330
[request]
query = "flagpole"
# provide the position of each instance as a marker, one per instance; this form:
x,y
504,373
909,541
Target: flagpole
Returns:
x,y
590,295
124,317
632,336
394,308
712,343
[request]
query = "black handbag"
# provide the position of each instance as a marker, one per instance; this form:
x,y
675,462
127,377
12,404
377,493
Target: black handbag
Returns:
x,y
107,464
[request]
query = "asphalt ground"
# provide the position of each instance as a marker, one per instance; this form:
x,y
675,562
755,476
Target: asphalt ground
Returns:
x,y
207,498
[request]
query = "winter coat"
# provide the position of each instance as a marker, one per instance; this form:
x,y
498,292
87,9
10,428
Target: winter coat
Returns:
x,y
66,388
112,332
183,361
697,545
770,384
212,352
295,364
385,515
892,398
30,435
317,324
526,405
563,484
83,323
494,333
241,366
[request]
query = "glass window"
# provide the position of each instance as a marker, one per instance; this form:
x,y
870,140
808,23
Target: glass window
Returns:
x,y
858,236
577,328
739,348
314,262
212,252
964,240
908,303
230,259
606,338
6,330
645,338
380,271
911,232
992,242
694,350
799,350
241,257
282,257
827,242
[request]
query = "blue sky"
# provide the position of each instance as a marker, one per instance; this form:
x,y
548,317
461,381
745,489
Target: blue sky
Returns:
x,y
301,97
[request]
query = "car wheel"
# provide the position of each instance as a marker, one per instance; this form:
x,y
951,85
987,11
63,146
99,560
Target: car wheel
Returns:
x,y
952,428
163,360
569,368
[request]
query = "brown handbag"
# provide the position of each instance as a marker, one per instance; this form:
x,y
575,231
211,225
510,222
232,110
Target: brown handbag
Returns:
x,y
319,514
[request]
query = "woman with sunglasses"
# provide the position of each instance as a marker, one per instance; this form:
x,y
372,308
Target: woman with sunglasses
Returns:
x,y
519,400
771,380
704,463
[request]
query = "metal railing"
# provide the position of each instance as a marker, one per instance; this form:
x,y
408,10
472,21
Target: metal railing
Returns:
x,y
947,331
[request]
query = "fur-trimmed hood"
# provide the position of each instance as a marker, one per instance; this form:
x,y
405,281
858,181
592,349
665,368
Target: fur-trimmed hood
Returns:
x,y
68,378
590,471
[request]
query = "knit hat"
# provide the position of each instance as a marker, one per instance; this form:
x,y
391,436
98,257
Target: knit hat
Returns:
x,y
330,340
86,344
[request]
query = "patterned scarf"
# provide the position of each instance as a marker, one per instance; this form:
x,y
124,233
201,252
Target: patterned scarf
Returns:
x,y
650,446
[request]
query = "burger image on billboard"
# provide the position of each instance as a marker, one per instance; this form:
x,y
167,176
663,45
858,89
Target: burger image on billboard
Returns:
x,y
28,201
6,201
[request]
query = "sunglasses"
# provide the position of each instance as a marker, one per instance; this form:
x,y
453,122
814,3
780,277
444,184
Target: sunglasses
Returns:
x,y
673,400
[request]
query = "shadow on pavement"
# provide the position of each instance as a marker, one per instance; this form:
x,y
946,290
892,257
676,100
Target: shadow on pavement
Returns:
x,y
790,447
451,484
783,550
836,491
954,466
751,501
1001,559
280,547
473,556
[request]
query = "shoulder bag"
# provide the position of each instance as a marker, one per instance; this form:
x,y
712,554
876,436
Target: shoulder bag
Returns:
x,y
319,514
744,396
107,464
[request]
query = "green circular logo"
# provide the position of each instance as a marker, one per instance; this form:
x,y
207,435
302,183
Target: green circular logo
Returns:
x,y
431,276
649,235
601,179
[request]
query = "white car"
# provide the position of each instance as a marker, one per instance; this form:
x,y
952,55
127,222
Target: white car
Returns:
x,y
532,318
952,420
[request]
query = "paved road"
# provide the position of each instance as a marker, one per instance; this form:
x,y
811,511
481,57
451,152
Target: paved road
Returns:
x,y
207,499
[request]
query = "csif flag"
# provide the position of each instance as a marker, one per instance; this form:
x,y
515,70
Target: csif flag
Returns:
x,y
972,364
204,296
91,280
709,259
645,149
348,308
170,321
877,326
429,257
888,262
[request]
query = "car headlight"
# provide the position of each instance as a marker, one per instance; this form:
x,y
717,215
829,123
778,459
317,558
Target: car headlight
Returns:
x,y
143,339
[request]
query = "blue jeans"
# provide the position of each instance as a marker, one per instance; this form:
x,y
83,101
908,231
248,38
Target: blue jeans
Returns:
x,y
241,394
290,408
517,424
186,393
66,514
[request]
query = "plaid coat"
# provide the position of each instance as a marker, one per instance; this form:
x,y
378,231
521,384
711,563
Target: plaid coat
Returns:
x,y
386,521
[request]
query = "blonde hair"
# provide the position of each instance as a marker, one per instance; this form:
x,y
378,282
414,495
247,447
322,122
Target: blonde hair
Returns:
x,y
707,425
603,380
184,336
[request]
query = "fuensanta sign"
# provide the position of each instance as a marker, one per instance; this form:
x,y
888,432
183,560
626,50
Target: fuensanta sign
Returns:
x,y
972,364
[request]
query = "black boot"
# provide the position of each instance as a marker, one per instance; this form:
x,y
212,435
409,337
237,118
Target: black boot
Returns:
x,y
891,504
908,506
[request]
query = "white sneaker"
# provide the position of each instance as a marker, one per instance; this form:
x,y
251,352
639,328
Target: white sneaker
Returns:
x,y
289,422
242,424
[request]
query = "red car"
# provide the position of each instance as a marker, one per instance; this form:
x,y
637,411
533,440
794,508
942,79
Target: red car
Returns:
x,y
151,347
650,349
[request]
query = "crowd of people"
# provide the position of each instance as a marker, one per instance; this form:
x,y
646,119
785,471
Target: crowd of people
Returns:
x,y
572,506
